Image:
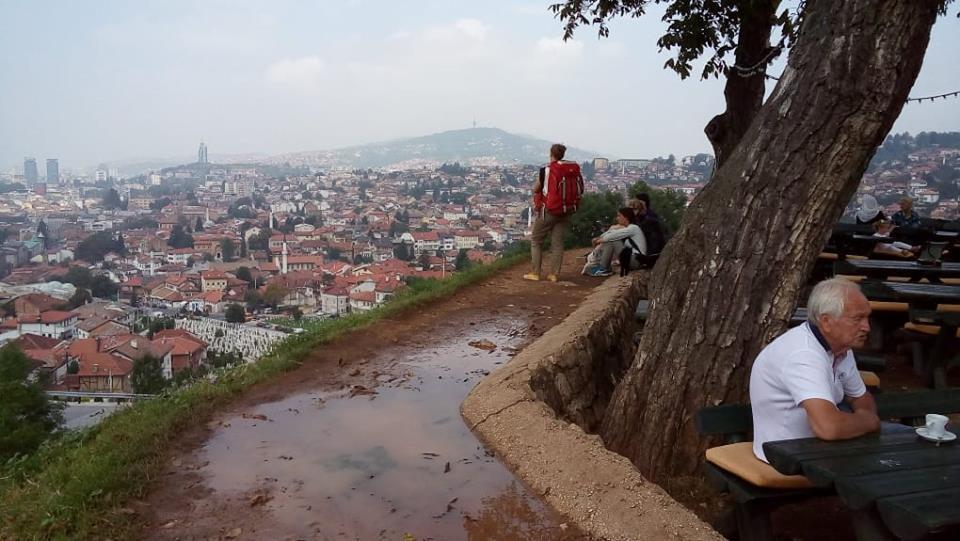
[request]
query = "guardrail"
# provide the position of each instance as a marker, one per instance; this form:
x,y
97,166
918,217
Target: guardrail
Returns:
x,y
104,396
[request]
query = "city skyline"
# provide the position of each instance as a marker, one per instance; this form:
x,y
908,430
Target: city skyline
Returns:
x,y
148,81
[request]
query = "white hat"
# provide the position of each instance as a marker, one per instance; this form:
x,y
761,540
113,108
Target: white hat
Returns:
x,y
869,208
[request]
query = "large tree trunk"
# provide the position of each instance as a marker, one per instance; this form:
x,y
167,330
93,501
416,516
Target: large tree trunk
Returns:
x,y
729,280
743,93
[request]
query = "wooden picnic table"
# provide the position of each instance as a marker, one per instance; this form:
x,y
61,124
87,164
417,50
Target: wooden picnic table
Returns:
x,y
897,485
884,268
923,300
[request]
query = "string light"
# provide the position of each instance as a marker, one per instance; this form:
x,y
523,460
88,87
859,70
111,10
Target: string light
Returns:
x,y
932,98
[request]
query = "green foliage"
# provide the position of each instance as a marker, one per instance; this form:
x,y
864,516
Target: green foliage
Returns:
x,y
274,294
179,238
73,367
49,494
242,208
228,249
596,213
141,222
897,146
296,314
84,280
12,187
260,241
333,253
159,324
95,247
26,416
669,205
235,313
454,169
694,27
103,287
253,299
243,273
160,203
111,200
80,297
147,375
403,251
462,262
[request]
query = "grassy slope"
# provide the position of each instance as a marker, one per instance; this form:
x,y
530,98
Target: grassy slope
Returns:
x,y
74,487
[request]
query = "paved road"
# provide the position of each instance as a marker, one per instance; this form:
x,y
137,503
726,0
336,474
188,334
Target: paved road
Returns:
x,y
87,414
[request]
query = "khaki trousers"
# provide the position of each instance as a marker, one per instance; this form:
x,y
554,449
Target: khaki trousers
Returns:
x,y
556,226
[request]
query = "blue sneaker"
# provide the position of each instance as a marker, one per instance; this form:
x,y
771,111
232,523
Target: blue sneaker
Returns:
x,y
600,272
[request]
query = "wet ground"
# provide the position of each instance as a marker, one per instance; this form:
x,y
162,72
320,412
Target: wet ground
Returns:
x,y
379,460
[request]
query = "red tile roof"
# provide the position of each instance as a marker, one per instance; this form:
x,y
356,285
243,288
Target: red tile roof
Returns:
x,y
56,316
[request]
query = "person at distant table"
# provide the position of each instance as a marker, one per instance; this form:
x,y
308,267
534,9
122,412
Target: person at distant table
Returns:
x,y
906,217
869,210
802,382
882,229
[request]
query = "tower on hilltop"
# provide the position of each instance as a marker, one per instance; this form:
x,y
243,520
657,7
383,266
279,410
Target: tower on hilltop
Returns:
x,y
202,153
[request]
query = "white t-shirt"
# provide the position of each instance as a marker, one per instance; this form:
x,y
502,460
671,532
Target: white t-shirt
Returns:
x,y
793,368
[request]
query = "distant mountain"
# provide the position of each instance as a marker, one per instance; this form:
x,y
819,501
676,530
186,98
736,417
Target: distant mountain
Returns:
x,y
473,146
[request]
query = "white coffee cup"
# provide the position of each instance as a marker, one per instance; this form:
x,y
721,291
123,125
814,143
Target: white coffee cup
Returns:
x,y
936,425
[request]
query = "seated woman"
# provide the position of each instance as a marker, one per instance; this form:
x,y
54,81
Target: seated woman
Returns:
x,y
624,234
869,211
882,229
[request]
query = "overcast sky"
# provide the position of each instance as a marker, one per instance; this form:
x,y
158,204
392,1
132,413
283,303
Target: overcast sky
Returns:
x,y
108,80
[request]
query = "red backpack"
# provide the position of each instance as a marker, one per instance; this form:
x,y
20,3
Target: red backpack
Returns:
x,y
562,187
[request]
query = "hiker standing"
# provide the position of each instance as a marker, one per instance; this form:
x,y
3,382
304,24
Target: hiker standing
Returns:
x,y
556,195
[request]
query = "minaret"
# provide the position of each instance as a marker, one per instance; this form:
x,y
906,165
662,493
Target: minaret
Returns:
x,y
43,245
271,219
529,217
283,261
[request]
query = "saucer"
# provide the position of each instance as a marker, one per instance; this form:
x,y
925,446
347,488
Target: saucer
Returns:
x,y
947,435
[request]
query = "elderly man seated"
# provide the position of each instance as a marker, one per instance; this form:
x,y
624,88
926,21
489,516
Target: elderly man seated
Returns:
x,y
805,383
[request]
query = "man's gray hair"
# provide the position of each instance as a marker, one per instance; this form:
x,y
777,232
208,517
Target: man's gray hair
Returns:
x,y
828,298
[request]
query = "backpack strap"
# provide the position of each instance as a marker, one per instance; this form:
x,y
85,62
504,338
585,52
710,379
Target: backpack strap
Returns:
x,y
633,244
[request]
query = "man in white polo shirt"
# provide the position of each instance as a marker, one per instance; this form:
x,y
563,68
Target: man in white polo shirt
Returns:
x,y
799,380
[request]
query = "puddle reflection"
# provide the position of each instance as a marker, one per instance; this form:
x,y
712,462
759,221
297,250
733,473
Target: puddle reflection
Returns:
x,y
383,465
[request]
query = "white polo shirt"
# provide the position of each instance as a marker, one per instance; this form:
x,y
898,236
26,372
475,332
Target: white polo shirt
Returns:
x,y
795,367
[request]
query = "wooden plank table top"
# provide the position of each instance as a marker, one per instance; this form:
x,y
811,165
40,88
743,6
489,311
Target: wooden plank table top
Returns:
x,y
884,268
925,293
911,484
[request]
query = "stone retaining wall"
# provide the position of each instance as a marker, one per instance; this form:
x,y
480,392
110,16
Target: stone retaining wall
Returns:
x,y
533,413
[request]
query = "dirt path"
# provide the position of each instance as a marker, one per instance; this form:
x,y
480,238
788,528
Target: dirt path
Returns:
x,y
365,441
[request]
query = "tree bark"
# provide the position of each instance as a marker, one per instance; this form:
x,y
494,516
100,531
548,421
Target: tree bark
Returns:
x,y
729,280
743,94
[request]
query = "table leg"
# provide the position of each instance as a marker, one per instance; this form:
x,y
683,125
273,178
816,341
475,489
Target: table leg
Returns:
x,y
939,357
870,527
753,521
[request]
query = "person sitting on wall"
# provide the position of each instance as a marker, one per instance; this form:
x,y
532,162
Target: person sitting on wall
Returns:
x,y
800,382
906,217
624,234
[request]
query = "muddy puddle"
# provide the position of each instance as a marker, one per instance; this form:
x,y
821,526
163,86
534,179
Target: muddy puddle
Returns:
x,y
386,457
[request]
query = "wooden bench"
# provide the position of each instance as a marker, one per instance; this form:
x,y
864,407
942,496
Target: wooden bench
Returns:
x,y
758,489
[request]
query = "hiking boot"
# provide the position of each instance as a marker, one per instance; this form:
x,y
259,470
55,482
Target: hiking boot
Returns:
x,y
532,277
552,278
